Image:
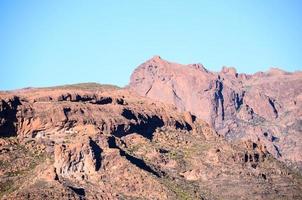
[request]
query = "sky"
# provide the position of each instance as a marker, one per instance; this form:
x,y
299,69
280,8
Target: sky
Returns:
x,y
55,42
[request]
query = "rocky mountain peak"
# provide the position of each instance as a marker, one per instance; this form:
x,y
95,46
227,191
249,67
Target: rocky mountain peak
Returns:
x,y
231,102
156,61
156,58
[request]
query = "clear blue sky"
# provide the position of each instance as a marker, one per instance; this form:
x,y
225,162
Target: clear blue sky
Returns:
x,y
44,43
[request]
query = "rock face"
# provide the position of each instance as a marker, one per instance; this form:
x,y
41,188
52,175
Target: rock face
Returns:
x,y
77,143
77,159
265,106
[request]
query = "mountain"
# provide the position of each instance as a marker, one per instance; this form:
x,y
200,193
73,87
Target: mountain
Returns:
x,y
89,141
264,107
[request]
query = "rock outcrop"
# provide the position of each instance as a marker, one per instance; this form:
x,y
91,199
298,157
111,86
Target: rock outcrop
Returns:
x,y
265,105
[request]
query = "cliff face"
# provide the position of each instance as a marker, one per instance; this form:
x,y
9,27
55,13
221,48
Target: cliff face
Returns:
x,y
78,143
263,106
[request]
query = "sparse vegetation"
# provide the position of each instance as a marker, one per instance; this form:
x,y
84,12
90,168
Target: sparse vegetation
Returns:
x,y
175,155
21,162
180,192
6,187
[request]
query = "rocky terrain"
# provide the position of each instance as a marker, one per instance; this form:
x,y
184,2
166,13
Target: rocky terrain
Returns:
x,y
89,141
265,106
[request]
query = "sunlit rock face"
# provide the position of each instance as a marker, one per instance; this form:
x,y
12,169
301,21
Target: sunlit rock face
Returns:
x,y
265,106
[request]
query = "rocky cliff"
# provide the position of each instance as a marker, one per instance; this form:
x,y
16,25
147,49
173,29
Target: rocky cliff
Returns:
x,y
265,106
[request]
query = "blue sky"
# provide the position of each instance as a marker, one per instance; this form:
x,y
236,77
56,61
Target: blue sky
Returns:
x,y
44,43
